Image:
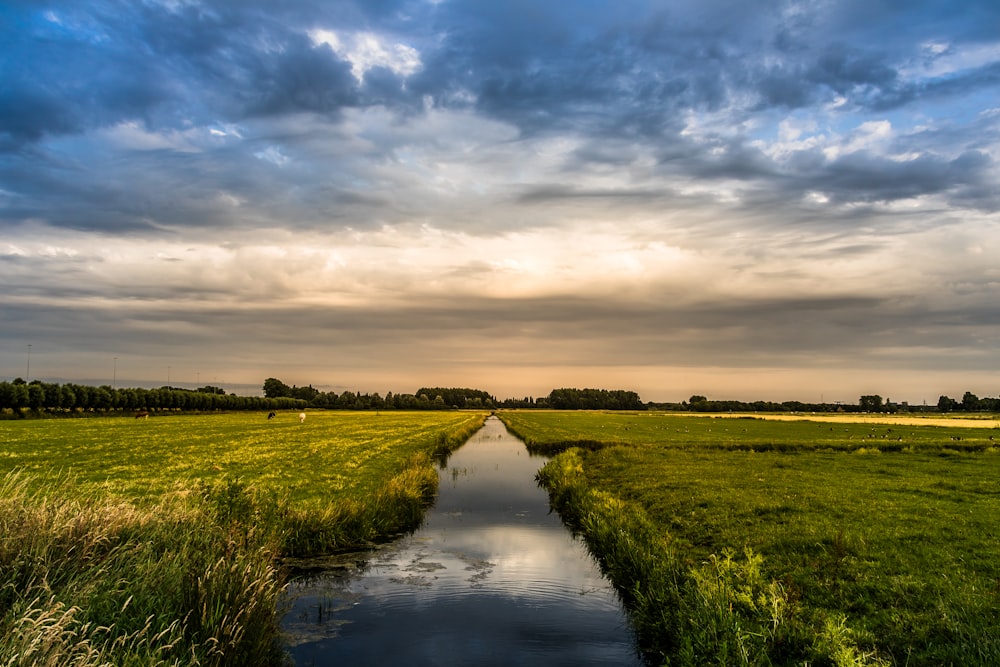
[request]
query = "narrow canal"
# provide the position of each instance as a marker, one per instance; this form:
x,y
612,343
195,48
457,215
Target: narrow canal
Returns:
x,y
491,578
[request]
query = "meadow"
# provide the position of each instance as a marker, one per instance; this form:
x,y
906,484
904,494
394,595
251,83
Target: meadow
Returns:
x,y
766,542
162,541
331,456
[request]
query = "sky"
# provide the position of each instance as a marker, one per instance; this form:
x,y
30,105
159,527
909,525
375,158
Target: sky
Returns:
x,y
776,199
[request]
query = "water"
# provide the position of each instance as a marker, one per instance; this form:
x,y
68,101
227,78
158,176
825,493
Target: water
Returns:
x,y
491,578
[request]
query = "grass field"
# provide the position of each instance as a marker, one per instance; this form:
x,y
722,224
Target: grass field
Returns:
x,y
751,541
160,541
555,430
331,456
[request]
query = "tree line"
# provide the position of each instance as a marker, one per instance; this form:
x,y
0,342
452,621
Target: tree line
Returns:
x,y
40,396
594,399
17,396
450,398
425,398
969,403
866,403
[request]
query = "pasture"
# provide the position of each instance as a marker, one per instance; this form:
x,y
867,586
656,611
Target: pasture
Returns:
x,y
161,541
331,456
752,541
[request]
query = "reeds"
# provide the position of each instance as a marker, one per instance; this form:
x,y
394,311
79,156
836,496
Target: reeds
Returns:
x,y
87,581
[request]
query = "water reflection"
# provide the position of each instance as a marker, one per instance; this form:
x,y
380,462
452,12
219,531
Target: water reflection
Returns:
x,y
492,578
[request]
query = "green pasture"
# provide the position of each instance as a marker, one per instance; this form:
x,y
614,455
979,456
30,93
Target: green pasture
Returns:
x,y
874,543
166,541
331,456
553,430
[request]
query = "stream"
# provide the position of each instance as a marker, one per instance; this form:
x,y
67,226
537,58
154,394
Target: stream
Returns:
x,y
492,577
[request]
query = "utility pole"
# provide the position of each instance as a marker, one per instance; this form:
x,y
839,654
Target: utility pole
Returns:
x,y
114,377
27,370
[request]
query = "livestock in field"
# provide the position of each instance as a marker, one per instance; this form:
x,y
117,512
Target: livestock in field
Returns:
x,y
302,417
271,415
142,415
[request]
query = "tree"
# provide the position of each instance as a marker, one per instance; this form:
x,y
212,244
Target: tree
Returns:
x,y
36,395
947,404
870,403
305,393
275,388
970,402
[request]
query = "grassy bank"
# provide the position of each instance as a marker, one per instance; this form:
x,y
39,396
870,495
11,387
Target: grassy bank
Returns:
x,y
160,542
751,542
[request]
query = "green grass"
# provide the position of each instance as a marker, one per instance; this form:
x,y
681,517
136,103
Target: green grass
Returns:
x,y
160,542
764,542
552,431
333,455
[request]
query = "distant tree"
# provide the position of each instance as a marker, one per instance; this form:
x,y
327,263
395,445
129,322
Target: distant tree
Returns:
x,y
870,403
989,404
456,397
305,393
406,402
947,404
592,399
275,388
36,396
970,402
324,400
6,395
699,403
347,400
102,397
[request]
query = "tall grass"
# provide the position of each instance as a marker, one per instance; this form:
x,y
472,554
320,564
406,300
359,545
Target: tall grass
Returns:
x,y
88,581
396,507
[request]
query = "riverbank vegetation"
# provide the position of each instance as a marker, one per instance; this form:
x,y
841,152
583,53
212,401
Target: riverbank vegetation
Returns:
x,y
759,542
161,541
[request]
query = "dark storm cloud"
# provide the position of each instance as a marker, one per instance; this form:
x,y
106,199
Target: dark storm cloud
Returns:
x,y
621,72
536,65
70,68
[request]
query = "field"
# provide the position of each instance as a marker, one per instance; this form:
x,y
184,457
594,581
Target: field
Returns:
x,y
331,456
752,541
160,541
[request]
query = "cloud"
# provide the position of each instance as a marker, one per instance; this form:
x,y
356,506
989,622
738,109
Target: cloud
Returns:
x,y
598,185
